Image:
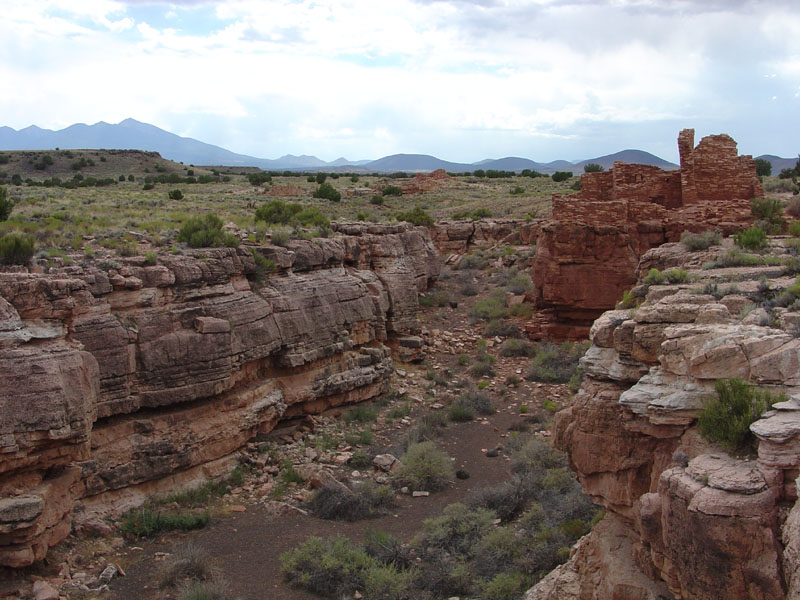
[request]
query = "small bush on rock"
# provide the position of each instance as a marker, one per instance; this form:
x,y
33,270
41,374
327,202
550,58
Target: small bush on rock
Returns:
x,y
752,238
726,419
700,241
417,216
205,232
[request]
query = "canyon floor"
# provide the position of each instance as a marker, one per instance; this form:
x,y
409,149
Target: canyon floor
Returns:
x,y
253,523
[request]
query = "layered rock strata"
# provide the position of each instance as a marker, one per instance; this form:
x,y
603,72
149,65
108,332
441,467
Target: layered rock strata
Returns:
x,y
127,379
684,519
459,237
588,252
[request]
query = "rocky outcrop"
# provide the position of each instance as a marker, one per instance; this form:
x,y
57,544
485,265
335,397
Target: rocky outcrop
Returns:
x,y
121,381
587,254
459,237
685,519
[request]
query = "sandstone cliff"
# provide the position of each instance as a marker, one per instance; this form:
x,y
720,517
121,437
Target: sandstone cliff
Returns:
x,y
684,519
587,254
122,380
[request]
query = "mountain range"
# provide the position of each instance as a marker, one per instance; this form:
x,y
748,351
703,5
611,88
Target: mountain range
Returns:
x,y
135,135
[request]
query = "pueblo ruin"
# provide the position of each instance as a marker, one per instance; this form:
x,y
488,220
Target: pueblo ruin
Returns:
x,y
587,253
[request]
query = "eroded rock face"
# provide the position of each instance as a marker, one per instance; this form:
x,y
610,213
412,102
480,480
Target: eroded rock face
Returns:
x,y
113,381
587,254
459,237
695,522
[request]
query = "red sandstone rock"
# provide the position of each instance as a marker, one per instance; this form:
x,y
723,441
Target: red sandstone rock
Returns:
x,y
215,358
681,514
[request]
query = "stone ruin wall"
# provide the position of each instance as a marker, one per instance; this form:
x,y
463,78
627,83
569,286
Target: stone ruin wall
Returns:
x,y
122,381
588,252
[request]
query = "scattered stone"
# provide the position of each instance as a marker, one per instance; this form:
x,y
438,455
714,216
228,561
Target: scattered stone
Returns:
x,y
108,574
493,453
419,494
386,462
44,591
462,474
238,508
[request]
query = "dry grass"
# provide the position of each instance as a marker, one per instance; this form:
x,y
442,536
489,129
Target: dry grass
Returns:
x,y
124,213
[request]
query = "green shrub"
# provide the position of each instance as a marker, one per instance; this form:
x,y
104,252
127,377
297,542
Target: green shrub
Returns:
x,y
434,297
150,258
205,590
769,210
148,186
593,168
175,195
517,347
763,167
264,265
555,363
629,300
559,176
499,327
147,521
259,178
377,200
331,567
794,228
481,369
458,530
363,413
16,248
424,468
517,190
736,258
497,550
327,192
460,413
519,284
320,178
479,401
701,241
416,216
312,217
392,190
654,277
189,561
726,419
752,238
277,212
336,501
205,232
386,582
6,205
676,275
490,308
506,586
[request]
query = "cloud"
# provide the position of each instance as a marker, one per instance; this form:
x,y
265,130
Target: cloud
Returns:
x,y
361,77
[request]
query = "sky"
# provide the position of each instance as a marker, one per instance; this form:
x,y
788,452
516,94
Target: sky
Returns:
x,y
464,80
